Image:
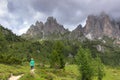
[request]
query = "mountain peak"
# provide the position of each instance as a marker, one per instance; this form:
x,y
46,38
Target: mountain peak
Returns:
x,y
103,14
50,27
101,25
51,19
79,27
97,26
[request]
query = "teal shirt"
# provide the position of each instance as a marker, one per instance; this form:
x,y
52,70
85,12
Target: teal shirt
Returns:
x,y
32,63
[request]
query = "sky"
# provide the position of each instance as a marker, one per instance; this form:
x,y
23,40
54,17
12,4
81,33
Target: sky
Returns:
x,y
18,15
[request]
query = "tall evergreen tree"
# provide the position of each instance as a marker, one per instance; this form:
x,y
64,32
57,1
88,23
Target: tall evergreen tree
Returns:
x,y
84,61
57,55
100,69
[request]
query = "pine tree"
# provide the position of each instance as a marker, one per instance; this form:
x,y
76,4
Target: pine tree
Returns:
x,y
100,68
84,61
57,56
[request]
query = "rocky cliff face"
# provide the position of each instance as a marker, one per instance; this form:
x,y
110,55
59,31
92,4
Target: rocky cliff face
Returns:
x,y
98,26
52,26
49,29
77,33
35,30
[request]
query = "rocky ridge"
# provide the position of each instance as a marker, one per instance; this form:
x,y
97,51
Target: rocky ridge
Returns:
x,y
99,26
50,29
96,28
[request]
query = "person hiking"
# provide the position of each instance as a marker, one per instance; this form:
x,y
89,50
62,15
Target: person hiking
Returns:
x,y
32,63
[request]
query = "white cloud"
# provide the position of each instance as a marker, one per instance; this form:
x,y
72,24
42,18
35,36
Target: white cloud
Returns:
x,y
3,13
39,16
3,7
22,28
83,22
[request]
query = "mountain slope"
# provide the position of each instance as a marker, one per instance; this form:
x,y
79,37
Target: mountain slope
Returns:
x,y
51,29
77,33
8,35
102,25
96,28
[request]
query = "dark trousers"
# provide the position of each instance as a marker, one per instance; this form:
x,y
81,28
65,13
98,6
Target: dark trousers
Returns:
x,y
32,67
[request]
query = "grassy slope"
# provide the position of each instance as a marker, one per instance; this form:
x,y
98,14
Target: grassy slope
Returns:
x,y
112,73
46,73
71,73
6,70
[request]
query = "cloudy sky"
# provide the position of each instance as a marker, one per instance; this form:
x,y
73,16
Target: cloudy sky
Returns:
x,y
18,15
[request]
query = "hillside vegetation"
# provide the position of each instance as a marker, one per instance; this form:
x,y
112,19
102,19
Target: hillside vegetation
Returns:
x,y
58,59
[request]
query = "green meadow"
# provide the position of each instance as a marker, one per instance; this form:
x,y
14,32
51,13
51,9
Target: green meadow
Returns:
x,y
70,72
